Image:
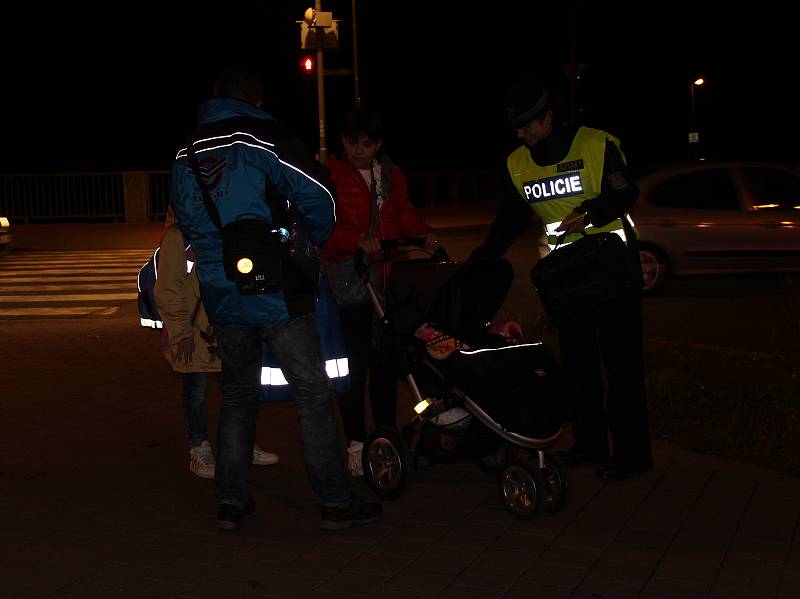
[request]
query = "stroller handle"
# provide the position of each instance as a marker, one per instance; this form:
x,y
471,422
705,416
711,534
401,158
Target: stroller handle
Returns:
x,y
359,259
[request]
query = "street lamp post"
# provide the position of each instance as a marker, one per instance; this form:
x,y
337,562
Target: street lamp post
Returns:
x,y
694,135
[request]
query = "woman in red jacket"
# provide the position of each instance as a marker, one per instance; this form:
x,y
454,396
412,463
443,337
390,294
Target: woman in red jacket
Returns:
x,y
372,204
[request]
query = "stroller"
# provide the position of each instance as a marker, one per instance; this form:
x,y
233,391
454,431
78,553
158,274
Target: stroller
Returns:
x,y
467,381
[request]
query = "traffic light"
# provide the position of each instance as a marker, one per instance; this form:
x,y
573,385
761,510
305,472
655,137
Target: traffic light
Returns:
x,y
308,65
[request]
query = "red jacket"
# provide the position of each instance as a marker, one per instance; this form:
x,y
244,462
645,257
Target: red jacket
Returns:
x,y
396,218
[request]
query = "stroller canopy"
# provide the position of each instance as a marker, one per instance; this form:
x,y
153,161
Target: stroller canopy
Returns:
x,y
456,298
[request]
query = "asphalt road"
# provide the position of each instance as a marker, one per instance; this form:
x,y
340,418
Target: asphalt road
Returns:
x,y
749,313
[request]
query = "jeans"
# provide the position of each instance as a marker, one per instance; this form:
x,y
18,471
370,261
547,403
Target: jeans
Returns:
x,y
296,346
195,406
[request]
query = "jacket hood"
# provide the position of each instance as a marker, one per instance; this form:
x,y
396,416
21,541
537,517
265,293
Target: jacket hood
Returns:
x,y
219,109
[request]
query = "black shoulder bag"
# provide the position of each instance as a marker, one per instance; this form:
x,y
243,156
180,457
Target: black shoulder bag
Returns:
x,y
253,250
588,272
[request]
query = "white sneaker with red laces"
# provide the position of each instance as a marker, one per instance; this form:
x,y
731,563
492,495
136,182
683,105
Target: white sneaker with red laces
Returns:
x,y
263,458
201,460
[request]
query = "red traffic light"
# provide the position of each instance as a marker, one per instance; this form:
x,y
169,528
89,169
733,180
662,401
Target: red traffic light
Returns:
x,y
307,64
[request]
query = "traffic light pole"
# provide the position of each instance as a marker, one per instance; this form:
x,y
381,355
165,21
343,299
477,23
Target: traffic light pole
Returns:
x,y
323,149
355,55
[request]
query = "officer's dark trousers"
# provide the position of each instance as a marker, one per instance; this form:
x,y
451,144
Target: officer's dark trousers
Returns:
x,y
610,336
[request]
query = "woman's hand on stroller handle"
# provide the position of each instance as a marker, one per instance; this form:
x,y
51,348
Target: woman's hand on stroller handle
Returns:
x,y
427,243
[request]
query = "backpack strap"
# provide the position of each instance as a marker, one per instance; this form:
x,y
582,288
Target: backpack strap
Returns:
x,y
195,164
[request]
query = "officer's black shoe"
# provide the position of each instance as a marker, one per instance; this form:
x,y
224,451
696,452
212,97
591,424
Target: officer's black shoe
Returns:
x,y
619,470
229,515
580,456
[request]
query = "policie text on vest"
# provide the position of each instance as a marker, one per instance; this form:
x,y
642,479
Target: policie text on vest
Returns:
x,y
552,188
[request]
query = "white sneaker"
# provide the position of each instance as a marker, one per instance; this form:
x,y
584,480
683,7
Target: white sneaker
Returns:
x,y
263,458
201,460
354,466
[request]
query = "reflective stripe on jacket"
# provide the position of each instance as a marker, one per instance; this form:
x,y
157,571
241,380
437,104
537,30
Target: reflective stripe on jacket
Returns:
x,y
244,153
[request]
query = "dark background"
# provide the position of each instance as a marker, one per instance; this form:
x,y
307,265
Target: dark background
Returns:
x,y
118,89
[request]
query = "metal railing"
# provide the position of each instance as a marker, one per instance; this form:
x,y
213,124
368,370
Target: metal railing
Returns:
x,y
144,196
158,194
73,197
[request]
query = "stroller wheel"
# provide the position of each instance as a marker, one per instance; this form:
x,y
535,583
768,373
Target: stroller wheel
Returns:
x,y
521,489
386,461
556,483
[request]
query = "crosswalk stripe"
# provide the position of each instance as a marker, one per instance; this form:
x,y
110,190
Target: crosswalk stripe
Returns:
x,y
65,271
68,284
67,311
25,253
78,297
27,263
125,280
93,287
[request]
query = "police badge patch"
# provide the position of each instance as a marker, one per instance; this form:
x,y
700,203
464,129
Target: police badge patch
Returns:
x,y
575,165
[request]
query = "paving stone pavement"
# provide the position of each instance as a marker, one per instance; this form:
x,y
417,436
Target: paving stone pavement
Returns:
x,y
97,501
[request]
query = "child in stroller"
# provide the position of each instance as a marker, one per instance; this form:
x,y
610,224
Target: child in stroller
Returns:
x,y
460,369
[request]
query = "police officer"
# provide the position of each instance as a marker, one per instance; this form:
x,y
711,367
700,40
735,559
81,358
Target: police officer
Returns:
x,y
575,178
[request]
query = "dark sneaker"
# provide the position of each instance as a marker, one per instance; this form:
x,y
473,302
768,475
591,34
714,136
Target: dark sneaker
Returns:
x,y
618,470
229,515
358,511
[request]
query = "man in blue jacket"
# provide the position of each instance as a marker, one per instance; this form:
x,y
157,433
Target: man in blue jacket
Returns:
x,y
244,155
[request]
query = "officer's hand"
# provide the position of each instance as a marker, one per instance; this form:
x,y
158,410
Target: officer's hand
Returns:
x,y
572,223
431,241
370,245
184,350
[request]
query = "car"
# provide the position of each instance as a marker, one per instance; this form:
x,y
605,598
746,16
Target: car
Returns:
x,y
5,234
717,217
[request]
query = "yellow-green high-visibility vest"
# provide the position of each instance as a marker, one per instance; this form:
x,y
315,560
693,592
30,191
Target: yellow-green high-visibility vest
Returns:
x,y
556,190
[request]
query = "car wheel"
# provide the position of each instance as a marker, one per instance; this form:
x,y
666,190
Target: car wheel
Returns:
x,y
655,268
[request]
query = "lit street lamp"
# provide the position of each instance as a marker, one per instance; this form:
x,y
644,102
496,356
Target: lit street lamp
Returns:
x,y
694,135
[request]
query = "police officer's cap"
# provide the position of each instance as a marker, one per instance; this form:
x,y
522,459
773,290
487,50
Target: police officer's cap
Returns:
x,y
525,101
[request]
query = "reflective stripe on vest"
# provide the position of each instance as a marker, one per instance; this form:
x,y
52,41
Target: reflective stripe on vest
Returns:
x,y
552,235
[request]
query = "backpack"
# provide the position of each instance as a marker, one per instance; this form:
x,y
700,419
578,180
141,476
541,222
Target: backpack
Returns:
x,y
327,321
146,285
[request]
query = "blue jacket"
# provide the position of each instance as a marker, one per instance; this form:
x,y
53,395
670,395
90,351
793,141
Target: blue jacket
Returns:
x,y
245,154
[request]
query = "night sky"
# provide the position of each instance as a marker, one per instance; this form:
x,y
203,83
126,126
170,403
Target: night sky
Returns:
x,y
118,91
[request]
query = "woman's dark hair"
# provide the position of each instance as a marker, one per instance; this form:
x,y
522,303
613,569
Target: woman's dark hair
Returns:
x,y
362,122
